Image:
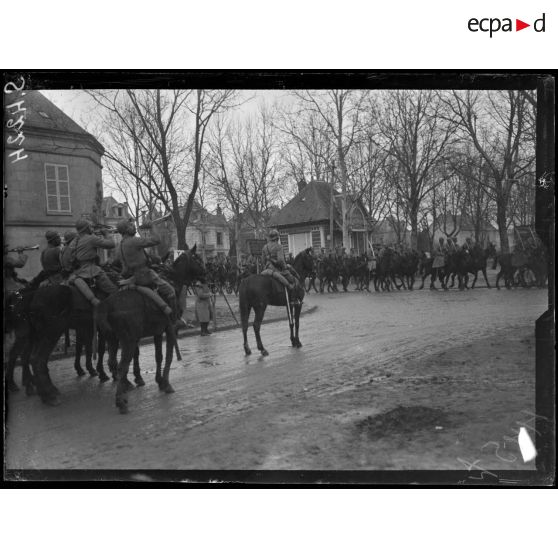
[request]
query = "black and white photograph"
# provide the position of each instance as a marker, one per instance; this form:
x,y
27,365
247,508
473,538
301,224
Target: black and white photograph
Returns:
x,y
280,277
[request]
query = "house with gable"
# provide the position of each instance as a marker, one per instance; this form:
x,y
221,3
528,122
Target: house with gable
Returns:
x,y
52,176
305,220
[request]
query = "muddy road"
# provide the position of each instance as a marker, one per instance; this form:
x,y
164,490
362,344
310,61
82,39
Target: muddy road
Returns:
x,y
405,380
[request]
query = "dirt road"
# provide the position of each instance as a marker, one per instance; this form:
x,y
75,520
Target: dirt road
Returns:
x,y
405,380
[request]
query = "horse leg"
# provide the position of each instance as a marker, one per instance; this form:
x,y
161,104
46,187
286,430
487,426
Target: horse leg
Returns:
x,y
297,310
485,277
15,351
128,348
244,316
89,338
158,342
102,349
475,275
112,357
259,312
138,379
26,375
47,391
77,357
169,348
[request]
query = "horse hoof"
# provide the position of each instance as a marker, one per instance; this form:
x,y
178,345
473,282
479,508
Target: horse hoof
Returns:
x,y
139,381
168,389
264,353
122,408
51,400
80,372
93,373
103,378
247,351
30,390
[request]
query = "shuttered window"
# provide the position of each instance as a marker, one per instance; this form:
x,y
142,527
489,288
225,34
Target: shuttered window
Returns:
x,y
57,189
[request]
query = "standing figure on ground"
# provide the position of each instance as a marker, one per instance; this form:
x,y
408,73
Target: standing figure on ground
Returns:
x,y
203,306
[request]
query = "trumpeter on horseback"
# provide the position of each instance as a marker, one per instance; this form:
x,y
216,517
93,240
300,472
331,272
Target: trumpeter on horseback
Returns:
x,y
81,258
274,261
12,282
131,254
51,274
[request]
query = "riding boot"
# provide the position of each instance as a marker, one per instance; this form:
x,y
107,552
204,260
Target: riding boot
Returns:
x,y
204,330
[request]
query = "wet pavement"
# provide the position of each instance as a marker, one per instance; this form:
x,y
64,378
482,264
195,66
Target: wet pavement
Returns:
x,y
363,355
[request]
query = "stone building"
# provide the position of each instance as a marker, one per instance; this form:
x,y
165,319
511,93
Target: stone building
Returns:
x,y
52,174
208,231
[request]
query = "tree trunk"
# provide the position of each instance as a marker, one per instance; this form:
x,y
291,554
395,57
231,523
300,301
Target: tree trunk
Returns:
x,y
502,228
344,180
180,234
413,217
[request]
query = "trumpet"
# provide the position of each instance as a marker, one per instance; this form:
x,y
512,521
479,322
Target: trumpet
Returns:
x,y
100,227
24,248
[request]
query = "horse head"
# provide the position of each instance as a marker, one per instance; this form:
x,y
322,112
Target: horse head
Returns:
x,y
188,266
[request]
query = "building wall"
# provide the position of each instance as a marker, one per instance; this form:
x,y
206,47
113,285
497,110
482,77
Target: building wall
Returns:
x,y
26,218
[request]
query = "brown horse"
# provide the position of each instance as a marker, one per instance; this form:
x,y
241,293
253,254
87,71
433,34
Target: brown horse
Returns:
x,y
259,291
128,316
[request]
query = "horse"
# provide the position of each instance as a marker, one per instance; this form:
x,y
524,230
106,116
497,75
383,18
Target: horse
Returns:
x,y
259,291
17,323
127,316
478,262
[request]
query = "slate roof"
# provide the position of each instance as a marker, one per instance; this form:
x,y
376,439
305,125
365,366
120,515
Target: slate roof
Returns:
x,y
43,114
310,205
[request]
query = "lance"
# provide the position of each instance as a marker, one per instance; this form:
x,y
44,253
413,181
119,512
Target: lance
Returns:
x,y
233,315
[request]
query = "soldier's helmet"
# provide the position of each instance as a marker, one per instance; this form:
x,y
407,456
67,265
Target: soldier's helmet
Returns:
x,y
273,234
82,225
51,235
122,226
69,236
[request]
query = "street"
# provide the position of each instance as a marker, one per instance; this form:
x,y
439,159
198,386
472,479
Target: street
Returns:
x,y
404,380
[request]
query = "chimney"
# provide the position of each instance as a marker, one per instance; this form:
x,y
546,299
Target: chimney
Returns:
x,y
301,185
219,210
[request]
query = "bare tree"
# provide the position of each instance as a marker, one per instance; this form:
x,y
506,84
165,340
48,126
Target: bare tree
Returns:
x,y
498,124
169,157
341,110
418,136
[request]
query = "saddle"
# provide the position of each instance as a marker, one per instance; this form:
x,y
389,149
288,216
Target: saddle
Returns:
x,y
129,284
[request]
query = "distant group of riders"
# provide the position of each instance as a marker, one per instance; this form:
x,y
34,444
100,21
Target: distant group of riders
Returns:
x,y
396,266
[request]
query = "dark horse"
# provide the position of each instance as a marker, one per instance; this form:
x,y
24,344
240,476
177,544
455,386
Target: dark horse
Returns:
x,y
17,322
259,291
127,316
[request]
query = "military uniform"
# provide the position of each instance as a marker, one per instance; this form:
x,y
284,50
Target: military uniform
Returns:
x,y
83,250
274,261
440,253
12,282
203,307
131,254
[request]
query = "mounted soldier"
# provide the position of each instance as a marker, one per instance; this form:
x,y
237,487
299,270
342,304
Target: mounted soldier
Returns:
x,y
13,283
274,262
135,265
51,274
81,258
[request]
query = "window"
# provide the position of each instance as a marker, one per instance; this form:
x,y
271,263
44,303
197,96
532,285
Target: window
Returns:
x,y
219,239
57,189
119,212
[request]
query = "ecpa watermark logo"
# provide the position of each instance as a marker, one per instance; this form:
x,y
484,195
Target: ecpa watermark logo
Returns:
x,y
494,25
